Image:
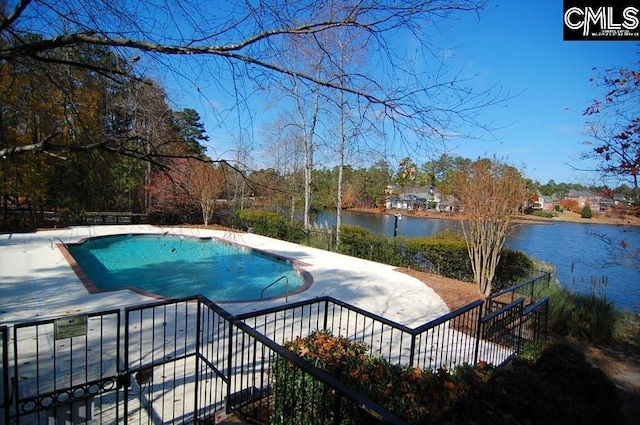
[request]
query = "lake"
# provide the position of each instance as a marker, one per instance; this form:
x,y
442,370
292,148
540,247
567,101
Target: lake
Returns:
x,y
580,257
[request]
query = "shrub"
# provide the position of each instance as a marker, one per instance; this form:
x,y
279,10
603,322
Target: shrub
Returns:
x,y
416,395
442,253
577,383
513,267
358,242
627,330
269,224
586,212
543,214
552,383
569,204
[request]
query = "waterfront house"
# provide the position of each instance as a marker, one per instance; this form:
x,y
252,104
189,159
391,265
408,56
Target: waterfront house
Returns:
x,y
540,202
597,202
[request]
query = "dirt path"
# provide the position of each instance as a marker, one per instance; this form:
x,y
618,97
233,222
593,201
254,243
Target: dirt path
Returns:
x,y
454,293
622,366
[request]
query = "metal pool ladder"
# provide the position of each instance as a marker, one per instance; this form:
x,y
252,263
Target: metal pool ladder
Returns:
x,y
286,279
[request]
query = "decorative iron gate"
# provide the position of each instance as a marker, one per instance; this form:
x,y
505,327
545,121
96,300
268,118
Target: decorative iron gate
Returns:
x,y
175,358
171,368
67,370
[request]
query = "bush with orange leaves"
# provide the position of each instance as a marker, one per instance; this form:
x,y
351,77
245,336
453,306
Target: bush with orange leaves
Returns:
x,y
570,204
548,383
416,395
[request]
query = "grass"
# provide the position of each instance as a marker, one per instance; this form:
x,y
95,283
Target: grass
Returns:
x,y
591,317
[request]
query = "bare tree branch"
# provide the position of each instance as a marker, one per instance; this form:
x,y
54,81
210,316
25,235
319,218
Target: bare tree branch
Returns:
x,y
375,17
7,21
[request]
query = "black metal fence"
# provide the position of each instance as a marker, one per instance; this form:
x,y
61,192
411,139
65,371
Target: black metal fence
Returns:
x,y
186,361
270,384
464,336
530,290
163,373
66,369
535,306
4,371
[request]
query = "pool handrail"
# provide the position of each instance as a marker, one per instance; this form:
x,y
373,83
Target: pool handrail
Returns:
x,y
286,294
59,240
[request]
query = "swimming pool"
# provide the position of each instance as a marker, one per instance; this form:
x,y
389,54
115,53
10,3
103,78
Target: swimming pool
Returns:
x,y
173,266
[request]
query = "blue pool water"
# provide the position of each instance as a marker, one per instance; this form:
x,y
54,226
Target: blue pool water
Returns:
x,y
175,267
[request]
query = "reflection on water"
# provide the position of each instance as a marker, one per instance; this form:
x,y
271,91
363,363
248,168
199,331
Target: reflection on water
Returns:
x,y
580,257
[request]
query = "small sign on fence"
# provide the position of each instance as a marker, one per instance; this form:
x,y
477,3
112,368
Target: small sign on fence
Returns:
x,y
69,327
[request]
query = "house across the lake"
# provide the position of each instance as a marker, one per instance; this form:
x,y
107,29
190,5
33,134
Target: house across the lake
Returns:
x,y
406,201
427,199
596,201
540,202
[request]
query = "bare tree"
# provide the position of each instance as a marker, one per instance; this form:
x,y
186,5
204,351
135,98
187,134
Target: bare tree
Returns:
x,y
491,193
240,188
613,126
205,184
152,121
185,184
620,251
246,39
351,116
283,149
308,111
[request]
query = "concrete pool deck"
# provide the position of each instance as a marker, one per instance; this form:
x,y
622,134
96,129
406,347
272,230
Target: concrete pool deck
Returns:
x,y
37,282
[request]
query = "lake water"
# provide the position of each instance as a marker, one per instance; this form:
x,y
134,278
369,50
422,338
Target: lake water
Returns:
x,y
578,254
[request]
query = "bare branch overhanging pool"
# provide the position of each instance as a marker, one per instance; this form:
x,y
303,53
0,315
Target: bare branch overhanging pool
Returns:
x,y
175,266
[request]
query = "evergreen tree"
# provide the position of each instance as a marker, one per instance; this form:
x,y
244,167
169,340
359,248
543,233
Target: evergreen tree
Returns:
x,y
191,130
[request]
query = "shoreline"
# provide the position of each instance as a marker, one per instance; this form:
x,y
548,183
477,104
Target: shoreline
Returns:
x,y
563,217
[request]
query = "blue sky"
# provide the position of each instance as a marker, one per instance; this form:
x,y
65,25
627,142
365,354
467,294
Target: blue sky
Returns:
x,y
518,46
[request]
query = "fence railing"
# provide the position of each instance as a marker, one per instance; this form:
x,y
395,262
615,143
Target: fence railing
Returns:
x,y
271,384
530,290
462,336
4,375
499,334
66,368
535,321
187,360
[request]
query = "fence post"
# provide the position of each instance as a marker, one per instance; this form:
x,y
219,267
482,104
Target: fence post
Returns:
x,y
337,412
229,365
520,325
532,294
4,333
326,314
478,333
413,349
546,318
196,378
125,362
